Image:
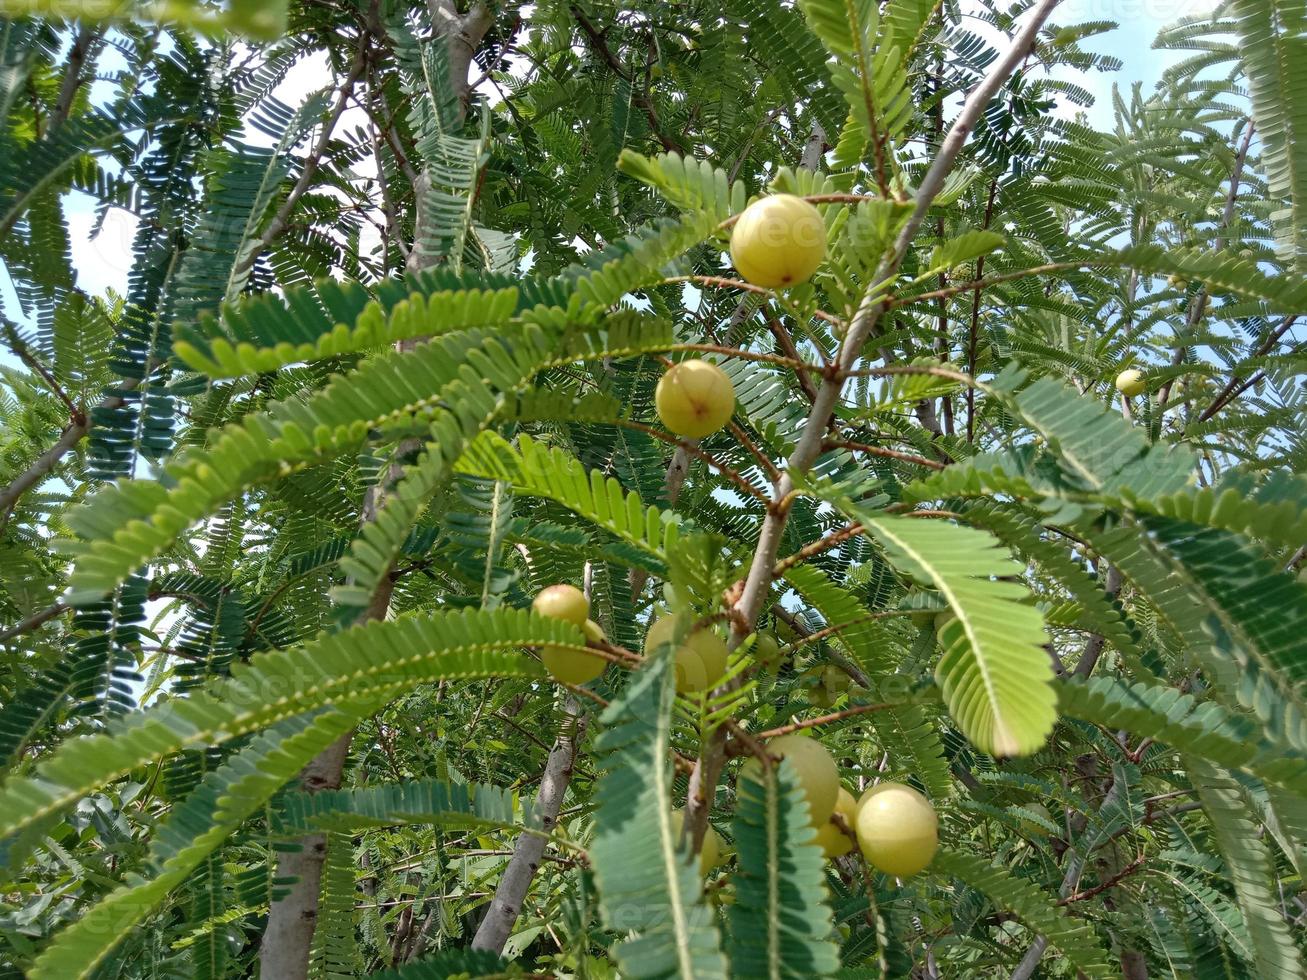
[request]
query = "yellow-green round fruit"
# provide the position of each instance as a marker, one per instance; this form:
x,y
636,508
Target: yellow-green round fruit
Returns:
x,y
710,854
700,658
572,666
594,633
818,774
1131,383
767,651
778,241
814,684
898,831
835,842
565,602
694,399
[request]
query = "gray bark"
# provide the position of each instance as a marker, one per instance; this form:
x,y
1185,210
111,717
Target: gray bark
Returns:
x,y
504,909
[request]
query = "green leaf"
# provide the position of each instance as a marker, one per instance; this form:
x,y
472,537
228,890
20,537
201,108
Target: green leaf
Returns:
x,y
688,184
421,801
223,801
966,247
1098,449
1250,868
450,964
780,922
649,886
1035,907
378,661
534,469
1236,611
1202,729
995,674
1273,46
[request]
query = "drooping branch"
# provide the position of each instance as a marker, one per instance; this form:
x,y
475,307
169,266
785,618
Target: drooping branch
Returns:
x,y
1199,305
309,168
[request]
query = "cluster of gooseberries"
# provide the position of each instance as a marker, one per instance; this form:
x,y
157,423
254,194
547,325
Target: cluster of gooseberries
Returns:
x,y
894,825
568,664
778,241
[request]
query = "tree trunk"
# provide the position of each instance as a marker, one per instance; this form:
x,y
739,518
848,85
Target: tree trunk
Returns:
x,y
288,940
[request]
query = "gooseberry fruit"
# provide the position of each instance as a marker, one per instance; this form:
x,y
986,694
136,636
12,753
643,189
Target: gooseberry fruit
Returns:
x,y
1131,383
700,657
694,399
594,633
767,651
565,602
897,829
778,241
572,666
710,853
835,842
818,774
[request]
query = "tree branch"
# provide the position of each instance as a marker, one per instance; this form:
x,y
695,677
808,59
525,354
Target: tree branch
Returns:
x,y
753,596
500,918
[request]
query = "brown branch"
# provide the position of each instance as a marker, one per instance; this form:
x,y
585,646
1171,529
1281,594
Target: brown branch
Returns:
x,y
639,96
973,334
994,280
500,918
862,447
1237,386
72,81
281,221
862,327
47,461
816,548
787,344
1199,305
767,465
34,621
860,709
688,447
721,282
1103,886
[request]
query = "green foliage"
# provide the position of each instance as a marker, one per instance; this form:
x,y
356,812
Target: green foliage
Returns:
x,y
1035,907
779,923
649,885
373,371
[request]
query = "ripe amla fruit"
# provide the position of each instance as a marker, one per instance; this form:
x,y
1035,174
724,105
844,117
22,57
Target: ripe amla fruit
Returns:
x,y
778,241
818,774
1131,383
695,398
898,831
767,652
700,658
710,854
835,842
568,603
